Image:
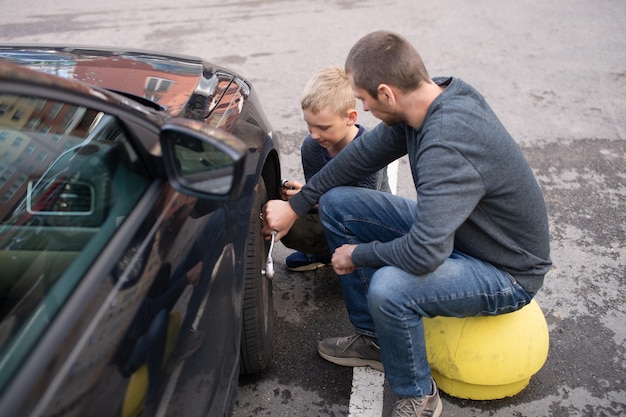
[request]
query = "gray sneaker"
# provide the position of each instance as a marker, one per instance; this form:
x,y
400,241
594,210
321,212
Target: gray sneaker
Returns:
x,y
429,406
355,350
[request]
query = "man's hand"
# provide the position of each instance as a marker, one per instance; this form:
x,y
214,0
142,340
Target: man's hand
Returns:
x,y
279,216
342,260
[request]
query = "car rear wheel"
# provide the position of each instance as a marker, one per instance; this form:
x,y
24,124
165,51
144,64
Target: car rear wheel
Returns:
x,y
258,311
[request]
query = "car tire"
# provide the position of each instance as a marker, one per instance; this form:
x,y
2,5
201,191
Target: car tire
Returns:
x,y
258,310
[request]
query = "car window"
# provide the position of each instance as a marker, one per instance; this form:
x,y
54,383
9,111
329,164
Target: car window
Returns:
x,y
68,178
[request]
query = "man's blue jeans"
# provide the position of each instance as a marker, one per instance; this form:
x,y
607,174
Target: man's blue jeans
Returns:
x,y
389,303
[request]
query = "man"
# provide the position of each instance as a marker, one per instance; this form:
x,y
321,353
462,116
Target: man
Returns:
x,y
475,242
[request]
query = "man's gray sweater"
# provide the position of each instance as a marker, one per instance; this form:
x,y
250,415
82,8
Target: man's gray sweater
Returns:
x,y
476,192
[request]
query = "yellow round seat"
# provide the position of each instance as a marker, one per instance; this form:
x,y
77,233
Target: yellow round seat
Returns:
x,y
487,357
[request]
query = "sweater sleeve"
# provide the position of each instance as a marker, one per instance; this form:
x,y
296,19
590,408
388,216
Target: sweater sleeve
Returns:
x,y
374,150
448,190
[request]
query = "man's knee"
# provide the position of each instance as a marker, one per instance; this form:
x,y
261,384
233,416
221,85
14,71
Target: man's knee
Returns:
x,y
381,290
333,202
334,196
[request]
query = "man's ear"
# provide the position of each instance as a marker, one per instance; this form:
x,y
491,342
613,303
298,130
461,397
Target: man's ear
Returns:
x,y
386,93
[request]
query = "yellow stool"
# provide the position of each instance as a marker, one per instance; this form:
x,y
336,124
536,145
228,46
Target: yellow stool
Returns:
x,y
487,357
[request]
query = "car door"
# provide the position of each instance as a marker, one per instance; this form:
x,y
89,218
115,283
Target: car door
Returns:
x,y
99,252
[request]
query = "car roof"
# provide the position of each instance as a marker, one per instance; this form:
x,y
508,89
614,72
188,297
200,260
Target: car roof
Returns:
x,y
168,80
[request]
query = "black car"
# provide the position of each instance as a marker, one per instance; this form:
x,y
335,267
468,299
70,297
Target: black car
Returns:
x,y
133,269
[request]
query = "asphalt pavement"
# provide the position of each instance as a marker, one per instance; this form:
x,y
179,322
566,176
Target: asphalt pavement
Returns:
x,y
555,73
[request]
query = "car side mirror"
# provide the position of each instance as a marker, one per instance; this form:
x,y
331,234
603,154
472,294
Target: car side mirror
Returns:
x,y
202,161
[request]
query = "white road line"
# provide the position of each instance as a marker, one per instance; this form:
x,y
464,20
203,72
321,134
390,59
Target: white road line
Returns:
x,y
392,175
366,399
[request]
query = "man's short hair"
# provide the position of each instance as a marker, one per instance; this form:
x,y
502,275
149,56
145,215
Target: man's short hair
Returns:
x,y
328,89
384,57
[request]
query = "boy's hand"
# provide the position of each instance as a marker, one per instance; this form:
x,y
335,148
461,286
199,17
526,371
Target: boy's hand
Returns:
x,y
277,215
289,188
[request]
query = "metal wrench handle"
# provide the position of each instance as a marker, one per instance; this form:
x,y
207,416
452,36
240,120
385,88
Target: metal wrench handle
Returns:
x,y
269,264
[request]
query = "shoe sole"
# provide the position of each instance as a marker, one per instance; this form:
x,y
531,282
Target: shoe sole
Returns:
x,y
309,267
353,362
438,409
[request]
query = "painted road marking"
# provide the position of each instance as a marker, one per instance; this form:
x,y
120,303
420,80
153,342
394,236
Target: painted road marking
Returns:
x,y
366,398
392,175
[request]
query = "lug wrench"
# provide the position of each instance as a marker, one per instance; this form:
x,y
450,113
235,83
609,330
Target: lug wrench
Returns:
x,y
269,264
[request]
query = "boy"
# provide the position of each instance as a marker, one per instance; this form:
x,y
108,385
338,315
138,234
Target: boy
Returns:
x,y
329,110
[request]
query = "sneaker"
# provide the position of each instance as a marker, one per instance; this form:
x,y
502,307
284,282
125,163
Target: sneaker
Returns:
x,y
300,262
429,406
355,350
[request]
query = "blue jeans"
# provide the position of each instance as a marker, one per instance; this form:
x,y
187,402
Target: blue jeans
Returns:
x,y
389,303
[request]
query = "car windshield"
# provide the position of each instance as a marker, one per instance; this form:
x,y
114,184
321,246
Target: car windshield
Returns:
x,y
68,178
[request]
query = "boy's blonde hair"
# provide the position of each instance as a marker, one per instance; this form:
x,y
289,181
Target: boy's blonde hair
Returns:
x,y
329,89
